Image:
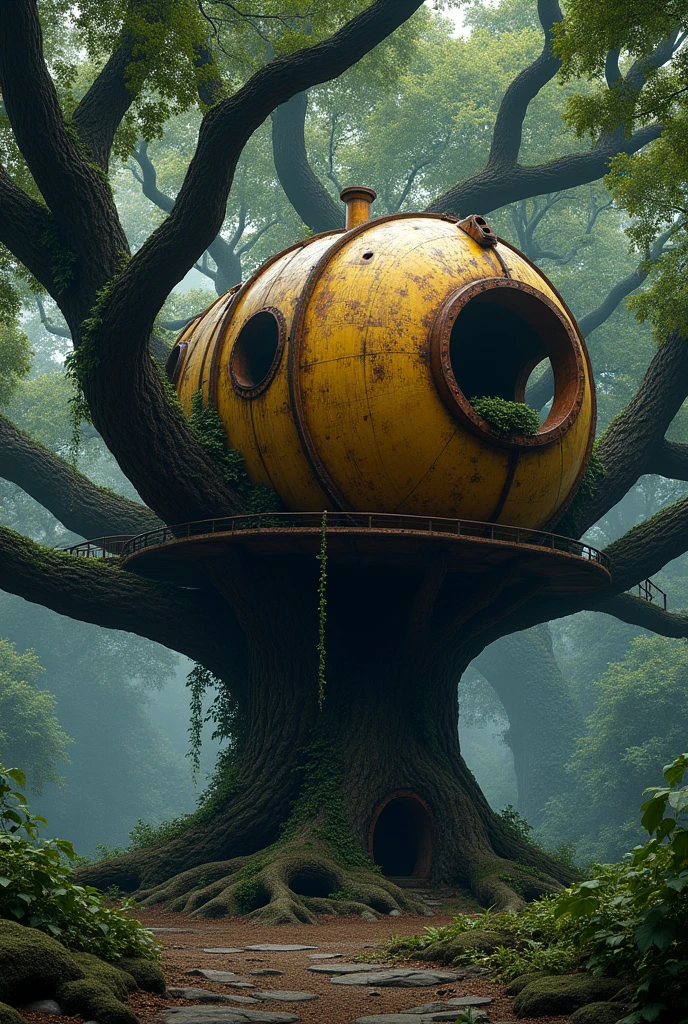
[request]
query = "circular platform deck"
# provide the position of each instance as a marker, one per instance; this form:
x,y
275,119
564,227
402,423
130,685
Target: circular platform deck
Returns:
x,y
177,553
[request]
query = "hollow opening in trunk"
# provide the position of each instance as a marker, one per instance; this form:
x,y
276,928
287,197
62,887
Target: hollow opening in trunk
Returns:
x,y
401,836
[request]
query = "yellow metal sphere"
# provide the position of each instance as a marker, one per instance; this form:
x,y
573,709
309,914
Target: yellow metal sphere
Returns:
x,y
343,369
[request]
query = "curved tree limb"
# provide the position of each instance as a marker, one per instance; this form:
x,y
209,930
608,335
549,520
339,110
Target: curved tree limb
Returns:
x,y
670,459
630,442
638,612
24,229
100,111
508,129
199,209
648,547
304,190
489,189
92,590
503,180
79,504
74,189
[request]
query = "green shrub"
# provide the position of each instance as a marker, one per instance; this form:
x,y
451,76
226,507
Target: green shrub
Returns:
x,y
506,417
633,917
94,1001
36,886
629,921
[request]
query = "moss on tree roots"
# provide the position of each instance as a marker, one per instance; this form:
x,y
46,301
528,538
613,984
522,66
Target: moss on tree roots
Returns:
x,y
293,883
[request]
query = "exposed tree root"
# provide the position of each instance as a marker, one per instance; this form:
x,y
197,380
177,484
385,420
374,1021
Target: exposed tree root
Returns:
x,y
290,884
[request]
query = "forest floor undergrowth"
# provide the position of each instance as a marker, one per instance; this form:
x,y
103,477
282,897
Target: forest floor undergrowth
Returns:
x,y
183,950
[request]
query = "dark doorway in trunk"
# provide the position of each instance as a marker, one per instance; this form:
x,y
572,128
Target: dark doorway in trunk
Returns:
x,y
400,836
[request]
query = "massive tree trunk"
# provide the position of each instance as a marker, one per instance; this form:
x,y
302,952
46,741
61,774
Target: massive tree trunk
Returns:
x,y
376,771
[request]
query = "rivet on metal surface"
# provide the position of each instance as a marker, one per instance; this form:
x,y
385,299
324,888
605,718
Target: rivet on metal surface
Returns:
x,y
479,230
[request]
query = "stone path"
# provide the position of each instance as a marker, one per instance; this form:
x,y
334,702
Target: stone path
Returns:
x,y
223,1015
238,979
402,977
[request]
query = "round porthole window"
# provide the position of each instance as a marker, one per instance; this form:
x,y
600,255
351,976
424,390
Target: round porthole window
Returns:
x,y
257,352
488,340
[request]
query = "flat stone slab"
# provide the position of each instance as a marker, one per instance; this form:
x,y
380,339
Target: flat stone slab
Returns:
x,y
397,978
459,1001
223,1015
343,968
177,930
404,1018
220,977
265,972
225,949
202,995
279,948
283,996
325,956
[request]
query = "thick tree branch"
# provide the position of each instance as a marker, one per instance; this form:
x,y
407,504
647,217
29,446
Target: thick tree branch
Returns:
x,y
228,262
92,590
670,459
100,112
79,504
304,190
508,129
638,612
25,227
199,210
648,547
74,190
629,444
489,189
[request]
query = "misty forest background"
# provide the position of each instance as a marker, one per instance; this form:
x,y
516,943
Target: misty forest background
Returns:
x,y
100,719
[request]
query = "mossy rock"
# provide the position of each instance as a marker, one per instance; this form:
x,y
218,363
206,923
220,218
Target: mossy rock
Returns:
x,y
599,1013
8,1015
148,975
518,984
93,1001
477,941
33,964
117,979
550,996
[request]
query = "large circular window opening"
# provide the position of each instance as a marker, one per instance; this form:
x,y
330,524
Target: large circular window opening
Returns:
x,y
257,351
494,337
400,837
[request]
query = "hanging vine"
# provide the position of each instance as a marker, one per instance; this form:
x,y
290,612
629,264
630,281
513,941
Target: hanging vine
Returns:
x,y
322,610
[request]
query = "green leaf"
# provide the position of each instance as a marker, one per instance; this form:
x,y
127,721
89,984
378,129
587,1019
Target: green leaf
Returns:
x,y
679,800
4,882
17,774
654,811
652,1011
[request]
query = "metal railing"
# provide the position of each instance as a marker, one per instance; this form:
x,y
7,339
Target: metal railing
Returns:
x,y
369,521
100,547
125,545
649,591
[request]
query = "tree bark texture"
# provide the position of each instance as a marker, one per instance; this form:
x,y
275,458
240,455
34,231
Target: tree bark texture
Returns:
x,y
389,716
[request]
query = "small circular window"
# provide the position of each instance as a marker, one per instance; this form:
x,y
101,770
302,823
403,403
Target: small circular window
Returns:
x,y
257,352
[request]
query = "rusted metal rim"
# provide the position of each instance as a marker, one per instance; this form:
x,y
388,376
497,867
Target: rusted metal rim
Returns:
x,y
250,391
562,347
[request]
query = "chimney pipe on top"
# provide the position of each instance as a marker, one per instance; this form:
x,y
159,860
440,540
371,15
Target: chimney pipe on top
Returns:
x,y
358,199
